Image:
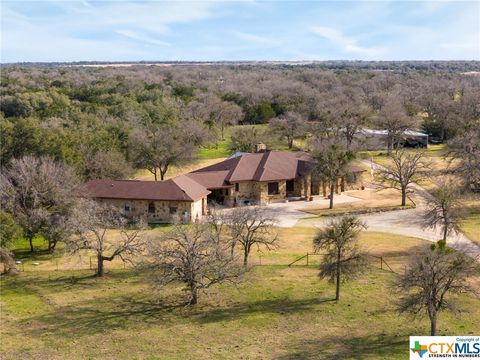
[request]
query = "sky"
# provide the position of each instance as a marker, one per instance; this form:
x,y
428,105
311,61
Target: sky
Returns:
x,y
88,30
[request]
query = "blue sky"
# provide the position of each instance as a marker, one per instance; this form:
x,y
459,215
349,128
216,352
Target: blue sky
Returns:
x,y
245,30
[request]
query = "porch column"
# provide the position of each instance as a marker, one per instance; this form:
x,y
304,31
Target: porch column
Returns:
x,y
337,190
342,184
324,189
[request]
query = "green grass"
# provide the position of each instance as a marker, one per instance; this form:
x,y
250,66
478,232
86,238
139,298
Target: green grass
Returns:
x,y
276,312
471,225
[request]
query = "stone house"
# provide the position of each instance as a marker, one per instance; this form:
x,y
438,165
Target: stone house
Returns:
x,y
152,201
258,178
246,178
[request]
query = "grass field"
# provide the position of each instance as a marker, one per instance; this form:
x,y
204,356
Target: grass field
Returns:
x,y
277,312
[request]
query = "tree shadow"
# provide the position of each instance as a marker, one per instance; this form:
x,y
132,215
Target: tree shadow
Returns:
x,y
273,306
98,316
381,346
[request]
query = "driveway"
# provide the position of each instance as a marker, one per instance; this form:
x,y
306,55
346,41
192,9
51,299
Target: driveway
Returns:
x,y
402,222
409,223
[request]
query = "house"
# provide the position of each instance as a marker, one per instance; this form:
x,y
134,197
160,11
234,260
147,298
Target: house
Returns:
x,y
154,201
247,178
258,178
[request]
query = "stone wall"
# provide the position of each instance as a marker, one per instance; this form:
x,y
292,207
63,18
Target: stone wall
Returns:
x,y
164,211
257,192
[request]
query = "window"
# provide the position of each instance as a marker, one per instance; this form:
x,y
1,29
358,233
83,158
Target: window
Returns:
x,y
126,207
173,210
151,207
237,187
273,188
290,186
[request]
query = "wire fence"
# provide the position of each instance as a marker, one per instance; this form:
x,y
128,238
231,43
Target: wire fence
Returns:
x,y
394,264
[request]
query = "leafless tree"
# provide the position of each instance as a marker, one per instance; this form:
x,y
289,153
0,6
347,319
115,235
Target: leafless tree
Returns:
x,y
331,161
444,209
343,259
429,280
251,226
157,148
34,189
107,164
290,126
400,174
191,255
465,148
394,118
91,224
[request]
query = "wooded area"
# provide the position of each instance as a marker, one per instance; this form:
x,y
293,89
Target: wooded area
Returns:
x,y
106,121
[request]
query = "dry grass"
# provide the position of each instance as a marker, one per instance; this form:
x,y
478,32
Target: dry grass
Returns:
x,y
371,200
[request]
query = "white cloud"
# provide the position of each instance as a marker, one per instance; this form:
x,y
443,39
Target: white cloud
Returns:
x,y
262,40
142,38
348,44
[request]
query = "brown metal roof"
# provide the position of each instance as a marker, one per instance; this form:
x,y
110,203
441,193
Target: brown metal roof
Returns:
x,y
265,166
181,188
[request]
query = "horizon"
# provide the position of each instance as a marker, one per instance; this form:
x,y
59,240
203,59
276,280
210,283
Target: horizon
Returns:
x,y
239,31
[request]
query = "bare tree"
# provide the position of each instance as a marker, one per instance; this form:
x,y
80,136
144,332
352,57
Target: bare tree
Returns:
x,y
33,189
394,118
156,148
401,173
465,148
251,226
107,164
430,278
342,259
444,209
290,126
331,161
91,224
191,255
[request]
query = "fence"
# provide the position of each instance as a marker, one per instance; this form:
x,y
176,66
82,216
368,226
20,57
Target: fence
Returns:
x,y
383,264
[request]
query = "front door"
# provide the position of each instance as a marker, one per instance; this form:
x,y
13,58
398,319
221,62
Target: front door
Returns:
x,y
290,187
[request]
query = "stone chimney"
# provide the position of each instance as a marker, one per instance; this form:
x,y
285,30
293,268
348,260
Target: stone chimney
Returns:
x,y
260,147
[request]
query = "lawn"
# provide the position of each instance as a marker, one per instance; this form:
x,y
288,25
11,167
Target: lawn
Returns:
x,y
277,312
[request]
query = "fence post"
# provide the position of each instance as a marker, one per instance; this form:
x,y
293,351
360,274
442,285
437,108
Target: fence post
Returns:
x,y
381,262
90,263
57,264
307,259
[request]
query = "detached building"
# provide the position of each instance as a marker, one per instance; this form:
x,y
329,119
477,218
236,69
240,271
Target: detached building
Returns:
x,y
372,139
